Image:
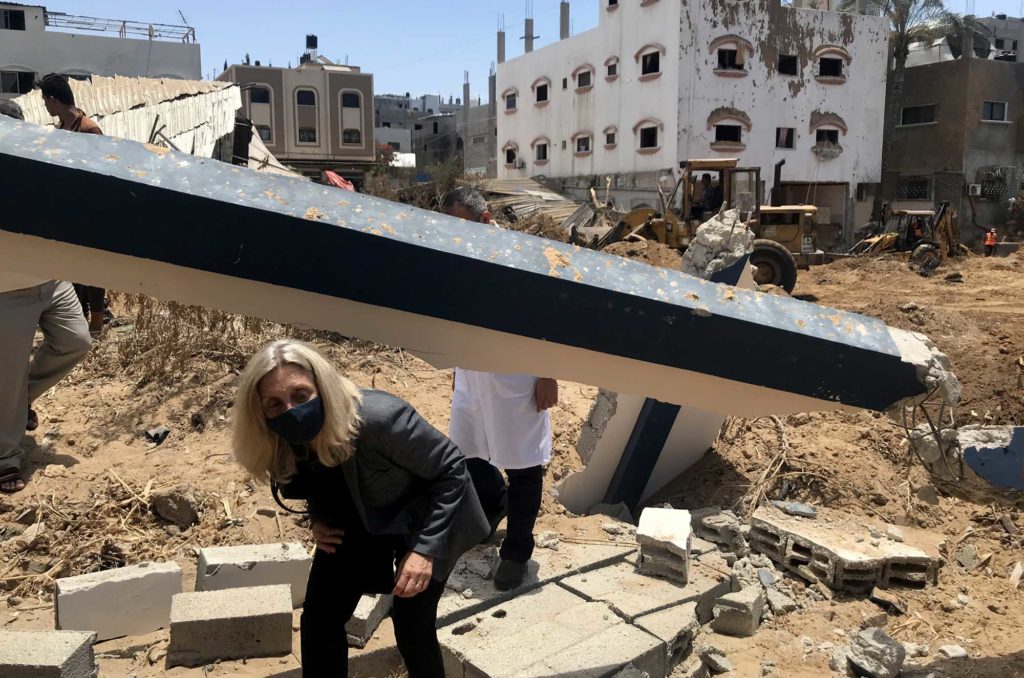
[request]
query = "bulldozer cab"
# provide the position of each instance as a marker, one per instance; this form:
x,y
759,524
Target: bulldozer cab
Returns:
x,y
737,187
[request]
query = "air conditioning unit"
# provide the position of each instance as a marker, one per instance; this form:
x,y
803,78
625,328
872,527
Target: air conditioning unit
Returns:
x,y
974,190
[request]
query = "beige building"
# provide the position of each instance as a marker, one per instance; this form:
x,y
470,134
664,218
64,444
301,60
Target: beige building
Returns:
x,y
318,116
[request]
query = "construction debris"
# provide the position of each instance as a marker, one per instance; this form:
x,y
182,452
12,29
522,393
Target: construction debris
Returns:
x,y
874,654
664,537
739,614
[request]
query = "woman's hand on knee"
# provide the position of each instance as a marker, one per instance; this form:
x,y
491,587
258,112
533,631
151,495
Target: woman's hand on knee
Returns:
x,y
327,538
414,574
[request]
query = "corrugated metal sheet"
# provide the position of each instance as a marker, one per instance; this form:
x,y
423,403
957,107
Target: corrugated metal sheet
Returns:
x,y
193,113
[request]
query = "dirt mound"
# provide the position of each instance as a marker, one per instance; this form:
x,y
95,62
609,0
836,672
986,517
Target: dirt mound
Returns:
x,y
648,252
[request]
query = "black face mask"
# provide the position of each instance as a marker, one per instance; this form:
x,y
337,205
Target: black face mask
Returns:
x,y
300,424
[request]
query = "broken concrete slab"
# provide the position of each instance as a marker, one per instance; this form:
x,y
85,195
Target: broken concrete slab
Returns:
x,y
548,631
739,614
634,595
225,567
676,626
983,463
47,654
473,574
722,528
126,601
239,623
826,550
874,654
369,613
779,602
664,537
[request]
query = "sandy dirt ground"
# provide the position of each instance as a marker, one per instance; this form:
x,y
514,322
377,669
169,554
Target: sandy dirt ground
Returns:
x,y
92,472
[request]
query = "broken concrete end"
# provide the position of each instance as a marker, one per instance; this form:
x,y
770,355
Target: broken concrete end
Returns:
x,y
932,365
720,242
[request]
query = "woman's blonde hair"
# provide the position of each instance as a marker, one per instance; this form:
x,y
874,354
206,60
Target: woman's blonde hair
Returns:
x,y
261,451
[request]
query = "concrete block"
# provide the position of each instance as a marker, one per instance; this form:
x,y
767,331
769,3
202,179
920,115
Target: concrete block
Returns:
x,y
228,567
473,574
720,527
126,601
664,537
739,614
548,631
634,595
240,623
677,627
47,654
840,552
369,613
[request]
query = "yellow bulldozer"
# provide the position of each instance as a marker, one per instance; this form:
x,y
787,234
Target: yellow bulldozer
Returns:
x,y
785,236
929,235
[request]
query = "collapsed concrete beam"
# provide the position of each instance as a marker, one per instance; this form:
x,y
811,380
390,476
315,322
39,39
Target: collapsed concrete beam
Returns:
x,y
985,463
842,553
207,233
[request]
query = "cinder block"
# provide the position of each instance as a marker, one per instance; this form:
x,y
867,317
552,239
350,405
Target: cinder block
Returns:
x,y
47,654
664,537
676,627
720,527
739,614
127,601
369,613
228,567
241,623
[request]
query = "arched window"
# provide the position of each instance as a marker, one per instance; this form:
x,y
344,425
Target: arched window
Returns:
x,y
305,97
352,137
611,65
351,100
259,95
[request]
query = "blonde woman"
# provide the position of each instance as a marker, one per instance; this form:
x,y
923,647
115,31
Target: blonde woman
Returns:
x,y
389,497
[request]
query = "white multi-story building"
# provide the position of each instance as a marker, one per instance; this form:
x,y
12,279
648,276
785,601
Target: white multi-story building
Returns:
x,y
661,81
35,41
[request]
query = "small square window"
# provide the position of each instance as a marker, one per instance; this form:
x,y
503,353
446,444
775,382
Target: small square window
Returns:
x,y
785,137
613,69
563,144
351,137
830,67
993,110
510,102
729,60
650,63
542,93
417,126
1000,43
259,95
613,3
583,79
827,136
510,156
350,100
12,19
788,65
648,137
565,83
542,152
305,97
730,133
307,135
583,145
609,139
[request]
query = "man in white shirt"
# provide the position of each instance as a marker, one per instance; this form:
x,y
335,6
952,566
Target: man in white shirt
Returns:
x,y
501,421
25,303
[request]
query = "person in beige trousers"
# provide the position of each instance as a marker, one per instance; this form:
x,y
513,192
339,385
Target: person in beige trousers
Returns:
x,y
27,303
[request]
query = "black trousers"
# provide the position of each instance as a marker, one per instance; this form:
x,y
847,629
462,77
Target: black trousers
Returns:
x,y
91,298
332,593
989,250
521,496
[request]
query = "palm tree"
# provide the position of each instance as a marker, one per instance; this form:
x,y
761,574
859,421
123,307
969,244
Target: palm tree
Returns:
x,y
961,28
911,21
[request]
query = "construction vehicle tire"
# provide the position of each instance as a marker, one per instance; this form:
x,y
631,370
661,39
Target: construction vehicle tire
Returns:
x,y
775,265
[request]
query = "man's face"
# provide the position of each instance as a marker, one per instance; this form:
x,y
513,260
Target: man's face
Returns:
x,y
51,105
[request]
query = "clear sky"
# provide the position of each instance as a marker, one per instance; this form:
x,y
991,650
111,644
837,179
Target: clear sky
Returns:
x,y
417,46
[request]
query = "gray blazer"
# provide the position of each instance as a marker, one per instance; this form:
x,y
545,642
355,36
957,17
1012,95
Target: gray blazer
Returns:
x,y
406,478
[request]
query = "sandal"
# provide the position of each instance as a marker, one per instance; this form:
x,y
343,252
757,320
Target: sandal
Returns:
x,y
11,476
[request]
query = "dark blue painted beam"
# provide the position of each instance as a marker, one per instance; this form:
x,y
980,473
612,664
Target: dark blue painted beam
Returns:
x,y
118,214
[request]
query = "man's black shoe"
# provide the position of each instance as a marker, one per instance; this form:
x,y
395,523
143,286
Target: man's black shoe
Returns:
x,y
510,575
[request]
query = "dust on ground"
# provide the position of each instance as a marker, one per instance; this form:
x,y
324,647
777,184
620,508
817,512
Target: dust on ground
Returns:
x,y
93,473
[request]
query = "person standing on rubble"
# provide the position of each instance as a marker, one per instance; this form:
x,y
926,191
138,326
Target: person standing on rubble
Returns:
x,y
60,103
27,303
390,502
501,421
990,242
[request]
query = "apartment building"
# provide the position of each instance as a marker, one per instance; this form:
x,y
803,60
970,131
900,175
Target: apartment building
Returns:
x,y
35,41
317,116
659,81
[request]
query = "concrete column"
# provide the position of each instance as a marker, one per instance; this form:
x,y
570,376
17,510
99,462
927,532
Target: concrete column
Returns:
x,y
501,47
492,93
465,96
528,36
967,44
563,30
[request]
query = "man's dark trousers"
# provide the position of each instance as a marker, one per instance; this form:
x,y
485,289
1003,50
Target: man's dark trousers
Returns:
x,y
521,496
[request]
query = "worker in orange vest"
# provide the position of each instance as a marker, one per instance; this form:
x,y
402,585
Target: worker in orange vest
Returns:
x,y
990,242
